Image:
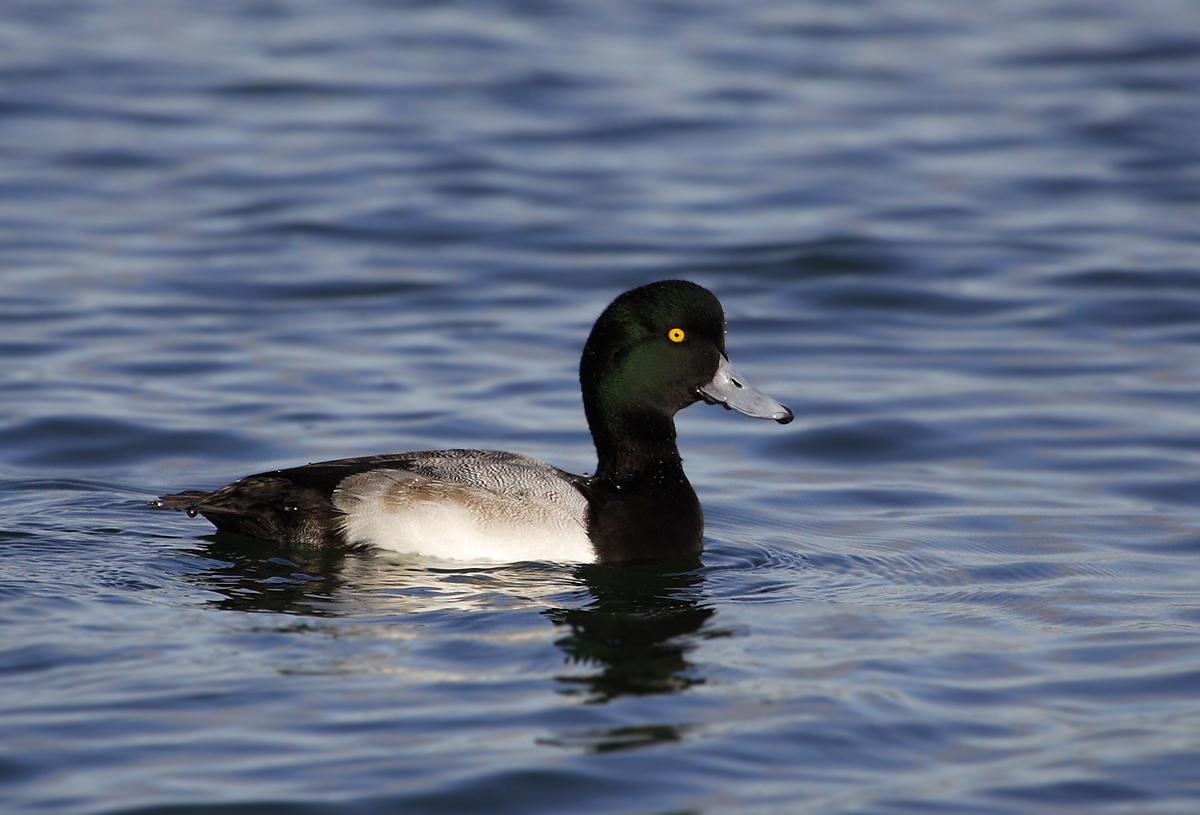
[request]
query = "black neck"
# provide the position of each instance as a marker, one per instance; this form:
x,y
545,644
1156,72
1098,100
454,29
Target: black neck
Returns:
x,y
636,447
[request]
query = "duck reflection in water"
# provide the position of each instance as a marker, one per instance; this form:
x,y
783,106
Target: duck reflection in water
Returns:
x,y
252,575
631,638
636,630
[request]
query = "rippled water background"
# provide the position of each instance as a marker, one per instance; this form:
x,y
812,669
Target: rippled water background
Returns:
x,y
961,240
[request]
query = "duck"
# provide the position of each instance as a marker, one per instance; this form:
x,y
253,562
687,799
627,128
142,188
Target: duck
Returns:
x,y
653,351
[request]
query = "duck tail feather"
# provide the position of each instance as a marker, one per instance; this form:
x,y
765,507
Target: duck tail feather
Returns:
x,y
180,501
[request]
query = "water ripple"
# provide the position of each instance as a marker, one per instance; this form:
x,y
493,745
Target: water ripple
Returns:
x,y
960,242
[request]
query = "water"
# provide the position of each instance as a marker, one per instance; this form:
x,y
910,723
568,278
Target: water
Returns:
x,y
962,241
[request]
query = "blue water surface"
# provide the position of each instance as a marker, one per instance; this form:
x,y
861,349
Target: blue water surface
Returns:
x,y
960,240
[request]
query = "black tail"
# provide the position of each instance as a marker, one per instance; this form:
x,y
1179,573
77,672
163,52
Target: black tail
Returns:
x,y
180,501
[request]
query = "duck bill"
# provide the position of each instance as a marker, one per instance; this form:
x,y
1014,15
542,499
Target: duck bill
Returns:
x,y
730,389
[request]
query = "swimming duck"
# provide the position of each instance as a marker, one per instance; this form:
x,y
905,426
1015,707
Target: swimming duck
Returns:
x,y
654,351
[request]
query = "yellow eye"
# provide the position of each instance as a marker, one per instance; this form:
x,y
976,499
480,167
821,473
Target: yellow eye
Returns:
x,y
675,335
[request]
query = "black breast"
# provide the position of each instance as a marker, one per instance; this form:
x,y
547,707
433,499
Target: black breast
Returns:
x,y
651,518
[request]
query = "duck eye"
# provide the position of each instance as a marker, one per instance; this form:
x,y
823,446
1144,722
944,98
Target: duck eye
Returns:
x,y
675,335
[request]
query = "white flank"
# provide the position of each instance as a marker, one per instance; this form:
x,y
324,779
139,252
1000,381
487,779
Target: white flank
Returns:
x,y
406,512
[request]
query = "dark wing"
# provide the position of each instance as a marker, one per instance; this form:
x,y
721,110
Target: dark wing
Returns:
x,y
291,506
296,505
